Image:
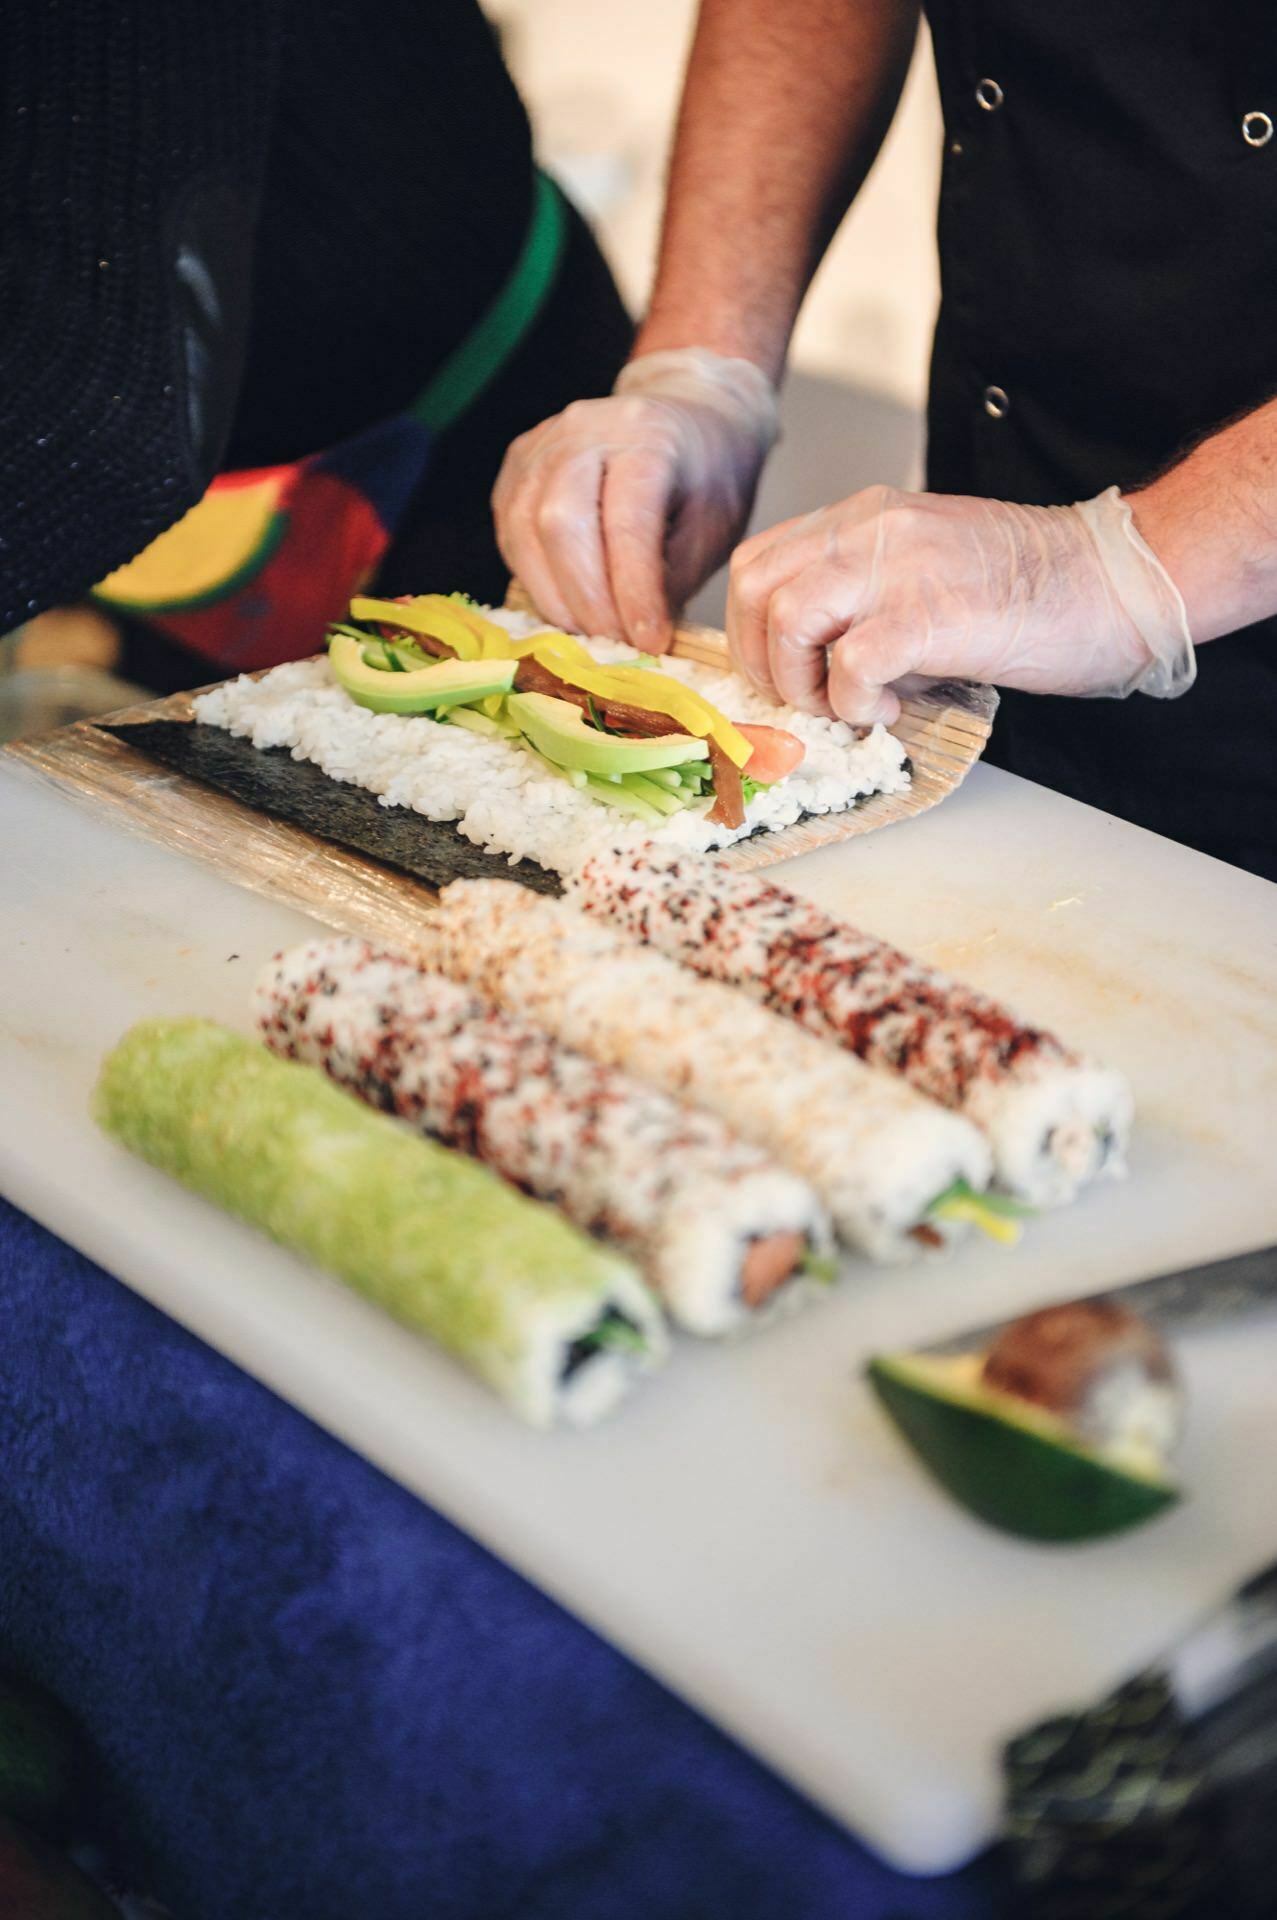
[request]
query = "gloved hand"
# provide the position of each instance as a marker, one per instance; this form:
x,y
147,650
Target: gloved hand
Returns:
x,y
613,512
827,612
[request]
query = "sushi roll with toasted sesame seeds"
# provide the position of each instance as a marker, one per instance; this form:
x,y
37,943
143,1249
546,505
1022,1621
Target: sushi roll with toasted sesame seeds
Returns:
x,y
722,1233
889,1165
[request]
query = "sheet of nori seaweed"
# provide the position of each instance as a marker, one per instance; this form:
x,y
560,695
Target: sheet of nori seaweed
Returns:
x,y
273,782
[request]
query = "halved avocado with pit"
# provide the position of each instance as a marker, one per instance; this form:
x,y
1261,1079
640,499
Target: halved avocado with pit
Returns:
x,y
1014,1466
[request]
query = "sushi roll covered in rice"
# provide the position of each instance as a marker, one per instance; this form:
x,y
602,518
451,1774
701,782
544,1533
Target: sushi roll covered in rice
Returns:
x,y
884,1161
559,1326
721,1232
1053,1118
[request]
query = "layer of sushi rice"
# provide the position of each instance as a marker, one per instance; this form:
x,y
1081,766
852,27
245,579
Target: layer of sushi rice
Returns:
x,y
503,798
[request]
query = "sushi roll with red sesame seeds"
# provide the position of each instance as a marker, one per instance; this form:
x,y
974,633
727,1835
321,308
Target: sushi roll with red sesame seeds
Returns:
x,y
1053,1118
721,1232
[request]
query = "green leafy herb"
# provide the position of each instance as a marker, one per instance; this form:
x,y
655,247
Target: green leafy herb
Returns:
x,y
819,1266
750,787
615,1334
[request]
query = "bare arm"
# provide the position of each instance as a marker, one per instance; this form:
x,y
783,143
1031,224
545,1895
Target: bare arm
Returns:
x,y
784,109
1212,522
617,509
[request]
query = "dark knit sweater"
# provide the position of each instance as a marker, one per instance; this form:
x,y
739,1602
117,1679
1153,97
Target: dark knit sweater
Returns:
x,y
232,232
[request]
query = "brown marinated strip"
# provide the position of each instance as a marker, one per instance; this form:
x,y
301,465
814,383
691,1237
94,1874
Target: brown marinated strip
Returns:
x,y
531,677
729,795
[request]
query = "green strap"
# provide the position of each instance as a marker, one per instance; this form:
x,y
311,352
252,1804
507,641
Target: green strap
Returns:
x,y
478,360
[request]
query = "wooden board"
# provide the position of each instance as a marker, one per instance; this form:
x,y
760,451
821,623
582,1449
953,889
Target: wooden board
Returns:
x,y
944,729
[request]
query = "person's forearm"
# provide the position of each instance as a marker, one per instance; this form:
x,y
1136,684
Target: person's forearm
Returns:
x,y
784,109
1212,522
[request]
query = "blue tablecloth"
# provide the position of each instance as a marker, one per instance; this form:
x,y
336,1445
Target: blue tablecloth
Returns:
x,y
312,1698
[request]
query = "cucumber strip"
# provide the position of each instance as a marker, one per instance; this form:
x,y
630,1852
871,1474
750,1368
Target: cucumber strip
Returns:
x,y
624,802
668,777
387,656
665,803
373,653
479,723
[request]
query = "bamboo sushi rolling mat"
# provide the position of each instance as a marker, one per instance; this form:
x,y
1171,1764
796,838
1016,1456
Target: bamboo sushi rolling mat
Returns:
x,y
944,728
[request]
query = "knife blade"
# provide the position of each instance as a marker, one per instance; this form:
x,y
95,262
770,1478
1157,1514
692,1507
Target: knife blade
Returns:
x,y
1192,1296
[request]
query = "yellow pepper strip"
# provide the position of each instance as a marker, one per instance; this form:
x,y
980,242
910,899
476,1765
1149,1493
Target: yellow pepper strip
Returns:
x,y
494,642
639,687
562,646
966,1208
440,621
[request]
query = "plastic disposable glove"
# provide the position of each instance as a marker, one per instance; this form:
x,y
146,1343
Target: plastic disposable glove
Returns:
x,y
613,512
829,611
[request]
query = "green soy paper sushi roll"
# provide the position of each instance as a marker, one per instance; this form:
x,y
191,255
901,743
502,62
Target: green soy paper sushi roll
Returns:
x,y
557,1325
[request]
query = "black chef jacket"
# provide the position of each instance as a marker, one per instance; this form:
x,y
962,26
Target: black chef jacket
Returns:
x,y
1108,241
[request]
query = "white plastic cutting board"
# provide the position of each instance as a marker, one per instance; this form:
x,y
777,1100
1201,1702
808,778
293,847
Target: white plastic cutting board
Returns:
x,y
748,1527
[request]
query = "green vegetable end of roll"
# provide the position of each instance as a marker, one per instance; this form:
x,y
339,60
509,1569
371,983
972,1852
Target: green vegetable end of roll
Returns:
x,y
995,1214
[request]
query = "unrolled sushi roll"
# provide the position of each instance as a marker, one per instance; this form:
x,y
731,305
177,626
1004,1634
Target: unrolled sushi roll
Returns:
x,y
885,1162
1053,1118
558,1325
719,1230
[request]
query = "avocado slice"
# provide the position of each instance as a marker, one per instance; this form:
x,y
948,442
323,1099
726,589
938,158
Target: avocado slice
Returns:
x,y
562,733
1010,1463
446,683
